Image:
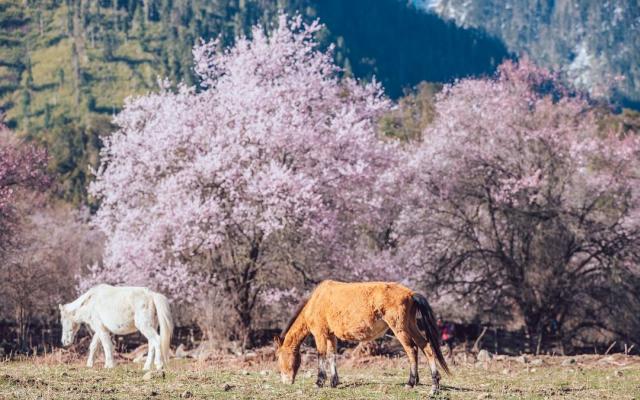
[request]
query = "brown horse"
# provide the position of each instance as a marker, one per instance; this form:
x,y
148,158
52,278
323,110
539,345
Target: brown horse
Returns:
x,y
360,312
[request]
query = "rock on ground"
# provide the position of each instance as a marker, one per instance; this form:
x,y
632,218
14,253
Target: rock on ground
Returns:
x,y
484,356
181,352
152,375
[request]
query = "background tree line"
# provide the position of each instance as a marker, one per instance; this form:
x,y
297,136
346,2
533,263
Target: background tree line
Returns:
x,y
360,199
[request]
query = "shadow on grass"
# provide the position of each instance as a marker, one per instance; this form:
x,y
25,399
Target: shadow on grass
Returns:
x,y
447,388
356,384
443,388
359,384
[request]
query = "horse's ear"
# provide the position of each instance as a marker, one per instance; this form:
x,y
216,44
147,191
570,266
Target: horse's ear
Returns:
x,y
277,341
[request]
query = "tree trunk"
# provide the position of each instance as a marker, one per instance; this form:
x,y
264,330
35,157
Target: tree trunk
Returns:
x,y
534,330
245,320
146,10
246,294
527,340
540,335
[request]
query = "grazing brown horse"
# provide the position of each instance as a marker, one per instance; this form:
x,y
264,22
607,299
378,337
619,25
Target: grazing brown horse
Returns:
x,y
360,312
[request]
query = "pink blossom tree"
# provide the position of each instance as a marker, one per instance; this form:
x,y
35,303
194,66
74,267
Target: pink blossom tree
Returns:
x,y
22,169
265,178
522,206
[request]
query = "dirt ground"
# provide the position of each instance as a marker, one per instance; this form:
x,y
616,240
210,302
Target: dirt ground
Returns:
x,y
254,376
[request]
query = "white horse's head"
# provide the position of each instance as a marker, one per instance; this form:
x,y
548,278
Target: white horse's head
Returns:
x,y
69,326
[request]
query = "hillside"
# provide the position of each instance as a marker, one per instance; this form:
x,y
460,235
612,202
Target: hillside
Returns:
x,y
403,46
66,58
593,42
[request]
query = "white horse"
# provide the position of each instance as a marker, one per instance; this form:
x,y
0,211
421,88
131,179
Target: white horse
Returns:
x,y
120,310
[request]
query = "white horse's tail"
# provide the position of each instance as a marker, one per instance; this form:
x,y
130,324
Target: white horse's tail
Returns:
x,y
166,324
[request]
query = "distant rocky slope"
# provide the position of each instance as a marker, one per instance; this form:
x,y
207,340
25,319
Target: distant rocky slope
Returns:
x,y
593,42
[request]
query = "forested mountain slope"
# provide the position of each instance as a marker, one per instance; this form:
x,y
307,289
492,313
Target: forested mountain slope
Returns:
x,y
66,66
403,46
593,42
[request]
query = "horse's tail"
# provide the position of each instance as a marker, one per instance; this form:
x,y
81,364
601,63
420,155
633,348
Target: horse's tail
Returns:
x,y
430,328
166,323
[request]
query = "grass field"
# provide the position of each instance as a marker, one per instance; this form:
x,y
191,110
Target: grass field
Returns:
x,y
589,377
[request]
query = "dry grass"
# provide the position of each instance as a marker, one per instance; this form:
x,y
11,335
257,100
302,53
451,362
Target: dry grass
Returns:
x,y
251,377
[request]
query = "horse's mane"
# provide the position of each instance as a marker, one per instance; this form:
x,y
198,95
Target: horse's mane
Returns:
x,y
79,302
299,308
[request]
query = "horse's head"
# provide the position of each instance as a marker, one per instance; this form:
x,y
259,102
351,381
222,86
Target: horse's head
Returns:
x,y
288,361
69,326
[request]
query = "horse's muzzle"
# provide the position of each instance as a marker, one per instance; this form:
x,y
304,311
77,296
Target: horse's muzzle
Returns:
x,y
286,379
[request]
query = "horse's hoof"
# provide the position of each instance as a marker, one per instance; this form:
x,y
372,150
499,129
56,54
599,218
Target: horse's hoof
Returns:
x,y
411,383
334,381
322,377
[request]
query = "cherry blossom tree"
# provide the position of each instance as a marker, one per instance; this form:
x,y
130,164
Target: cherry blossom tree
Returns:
x,y
22,169
521,205
264,178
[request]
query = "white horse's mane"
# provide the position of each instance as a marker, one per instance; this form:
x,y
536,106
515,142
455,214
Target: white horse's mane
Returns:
x,y
77,303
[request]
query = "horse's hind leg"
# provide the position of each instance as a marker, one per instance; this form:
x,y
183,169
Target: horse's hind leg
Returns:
x,y
154,345
435,375
150,352
412,352
425,346
145,322
332,350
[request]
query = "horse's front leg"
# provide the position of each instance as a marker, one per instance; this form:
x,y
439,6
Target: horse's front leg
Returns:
x,y
321,346
107,346
92,350
332,350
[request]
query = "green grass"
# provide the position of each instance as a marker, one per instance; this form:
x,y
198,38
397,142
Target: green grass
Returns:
x,y
370,378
